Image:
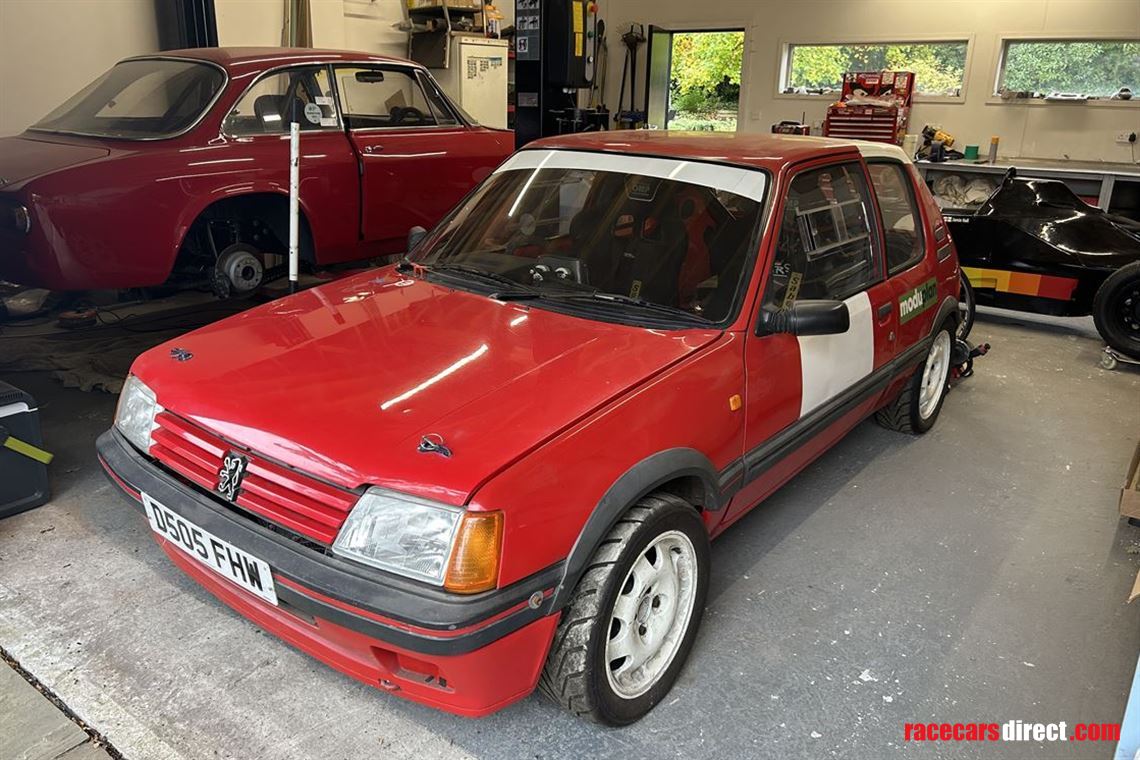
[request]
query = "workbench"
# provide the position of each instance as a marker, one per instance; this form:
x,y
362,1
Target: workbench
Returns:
x,y
1112,186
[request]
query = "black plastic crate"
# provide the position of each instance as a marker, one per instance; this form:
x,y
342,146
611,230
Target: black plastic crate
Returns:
x,y
23,480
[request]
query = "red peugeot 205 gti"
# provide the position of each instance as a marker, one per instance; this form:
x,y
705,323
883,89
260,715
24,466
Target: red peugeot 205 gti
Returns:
x,y
498,464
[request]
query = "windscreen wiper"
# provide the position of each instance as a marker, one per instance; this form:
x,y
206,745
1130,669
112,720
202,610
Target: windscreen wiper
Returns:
x,y
597,296
481,274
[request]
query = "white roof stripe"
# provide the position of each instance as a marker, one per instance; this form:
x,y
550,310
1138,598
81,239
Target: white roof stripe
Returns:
x,y
749,183
881,150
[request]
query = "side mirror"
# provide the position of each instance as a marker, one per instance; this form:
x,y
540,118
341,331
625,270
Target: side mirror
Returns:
x,y
806,318
415,235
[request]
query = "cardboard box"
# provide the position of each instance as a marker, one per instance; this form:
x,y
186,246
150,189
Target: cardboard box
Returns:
x,y
1130,494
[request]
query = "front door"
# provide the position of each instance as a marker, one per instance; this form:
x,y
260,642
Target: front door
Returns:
x,y
255,155
803,393
416,158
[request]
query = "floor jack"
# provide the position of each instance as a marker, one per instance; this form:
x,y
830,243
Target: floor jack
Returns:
x,y
962,358
1112,357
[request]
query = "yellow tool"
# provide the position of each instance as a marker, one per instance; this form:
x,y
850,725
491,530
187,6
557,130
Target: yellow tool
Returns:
x,y
23,447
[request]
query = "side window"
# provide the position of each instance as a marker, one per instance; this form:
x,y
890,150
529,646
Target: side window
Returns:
x,y
373,97
826,249
303,95
901,220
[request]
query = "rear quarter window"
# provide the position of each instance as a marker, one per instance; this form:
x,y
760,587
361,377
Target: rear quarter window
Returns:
x,y
902,220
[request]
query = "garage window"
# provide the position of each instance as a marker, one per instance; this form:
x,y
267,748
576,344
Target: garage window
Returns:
x,y
826,249
276,100
1093,68
901,220
939,67
384,98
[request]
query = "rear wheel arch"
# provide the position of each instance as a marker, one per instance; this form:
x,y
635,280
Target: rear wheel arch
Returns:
x,y
683,472
947,314
267,208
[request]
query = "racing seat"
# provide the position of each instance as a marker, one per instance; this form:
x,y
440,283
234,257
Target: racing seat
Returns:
x,y
655,256
696,267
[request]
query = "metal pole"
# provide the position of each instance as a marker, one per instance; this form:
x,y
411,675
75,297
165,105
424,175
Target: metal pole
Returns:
x,y
294,202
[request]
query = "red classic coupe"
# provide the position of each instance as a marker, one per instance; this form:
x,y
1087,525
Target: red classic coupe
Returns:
x,y
498,464
173,168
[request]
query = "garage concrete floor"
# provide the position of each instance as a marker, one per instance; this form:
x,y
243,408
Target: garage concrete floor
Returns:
x,y
978,573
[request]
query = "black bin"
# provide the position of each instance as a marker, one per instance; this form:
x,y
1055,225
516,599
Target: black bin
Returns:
x,y
23,480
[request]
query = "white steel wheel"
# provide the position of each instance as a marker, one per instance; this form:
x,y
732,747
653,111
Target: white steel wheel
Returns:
x,y
934,375
915,409
631,620
651,614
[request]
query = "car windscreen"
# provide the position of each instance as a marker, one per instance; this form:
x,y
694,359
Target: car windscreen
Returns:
x,y
595,231
139,99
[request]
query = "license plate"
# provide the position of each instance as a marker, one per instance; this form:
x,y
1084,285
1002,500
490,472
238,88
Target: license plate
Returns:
x,y
222,557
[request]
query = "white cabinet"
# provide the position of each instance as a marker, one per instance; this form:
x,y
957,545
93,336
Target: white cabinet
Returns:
x,y
476,78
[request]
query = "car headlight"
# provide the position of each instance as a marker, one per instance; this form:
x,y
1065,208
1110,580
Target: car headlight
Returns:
x,y
442,545
135,414
15,216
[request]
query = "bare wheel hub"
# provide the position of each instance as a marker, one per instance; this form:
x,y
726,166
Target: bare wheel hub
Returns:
x,y
240,266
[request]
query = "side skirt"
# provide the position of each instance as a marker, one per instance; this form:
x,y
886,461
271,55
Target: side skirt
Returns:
x,y
761,459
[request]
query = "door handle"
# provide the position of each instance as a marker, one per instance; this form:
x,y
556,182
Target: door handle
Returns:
x,y
373,148
885,311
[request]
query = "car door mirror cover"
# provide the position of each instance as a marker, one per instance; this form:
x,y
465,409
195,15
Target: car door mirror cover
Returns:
x,y
806,317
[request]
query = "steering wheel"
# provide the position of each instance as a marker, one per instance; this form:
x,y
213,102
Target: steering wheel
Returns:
x,y
401,114
1006,181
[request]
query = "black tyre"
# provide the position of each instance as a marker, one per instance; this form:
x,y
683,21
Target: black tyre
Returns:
x,y
916,408
1116,310
967,308
631,622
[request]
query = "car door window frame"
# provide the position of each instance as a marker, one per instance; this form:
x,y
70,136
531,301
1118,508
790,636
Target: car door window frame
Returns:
x,y
915,210
874,224
427,83
412,73
338,127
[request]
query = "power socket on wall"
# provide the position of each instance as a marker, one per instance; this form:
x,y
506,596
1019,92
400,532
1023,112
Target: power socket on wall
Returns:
x,y
1125,138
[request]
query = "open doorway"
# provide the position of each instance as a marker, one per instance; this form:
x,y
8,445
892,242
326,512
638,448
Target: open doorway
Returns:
x,y
693,79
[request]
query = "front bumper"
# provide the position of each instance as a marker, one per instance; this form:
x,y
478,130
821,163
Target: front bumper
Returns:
x,y
466,655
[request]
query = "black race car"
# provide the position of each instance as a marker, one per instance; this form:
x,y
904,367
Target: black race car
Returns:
x,y
1033,245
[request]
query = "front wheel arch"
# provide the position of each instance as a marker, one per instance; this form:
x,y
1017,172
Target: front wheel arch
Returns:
x,y
684,472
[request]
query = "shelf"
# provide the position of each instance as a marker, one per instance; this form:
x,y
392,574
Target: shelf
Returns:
x,y
1045,166
453,32
437,10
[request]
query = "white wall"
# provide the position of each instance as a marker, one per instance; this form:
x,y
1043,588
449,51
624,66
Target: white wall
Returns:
x,y
368,27
249,22
1035,129
50,49
365,25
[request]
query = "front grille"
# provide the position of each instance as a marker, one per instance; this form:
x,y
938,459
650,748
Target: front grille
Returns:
x,y
297,502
